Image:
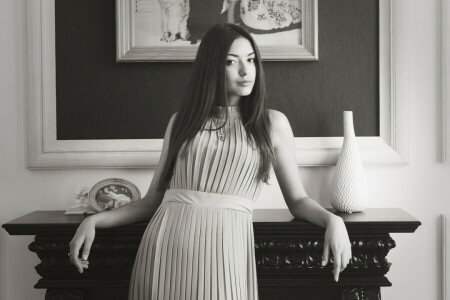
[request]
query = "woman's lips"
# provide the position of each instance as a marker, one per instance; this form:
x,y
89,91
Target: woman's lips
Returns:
x,y
244,83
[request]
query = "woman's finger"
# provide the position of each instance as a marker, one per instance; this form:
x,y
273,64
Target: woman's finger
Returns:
x,y
87,247
344,261
74,250
348,255
326,253
337,265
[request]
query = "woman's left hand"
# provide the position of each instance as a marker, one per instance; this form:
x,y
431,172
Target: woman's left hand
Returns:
x,y
337,240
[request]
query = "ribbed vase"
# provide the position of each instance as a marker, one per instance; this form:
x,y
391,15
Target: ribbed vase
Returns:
x,y
349,191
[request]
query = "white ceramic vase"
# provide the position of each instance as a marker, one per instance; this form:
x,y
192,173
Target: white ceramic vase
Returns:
x,y
349,191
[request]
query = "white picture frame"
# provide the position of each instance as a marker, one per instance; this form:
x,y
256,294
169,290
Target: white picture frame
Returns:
x,y
128,48
46,152
445,82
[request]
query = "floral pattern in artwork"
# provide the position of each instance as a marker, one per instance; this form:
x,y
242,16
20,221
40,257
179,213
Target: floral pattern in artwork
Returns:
x,y
270,14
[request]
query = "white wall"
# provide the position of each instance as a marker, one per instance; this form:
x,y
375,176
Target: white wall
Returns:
x,y
421,188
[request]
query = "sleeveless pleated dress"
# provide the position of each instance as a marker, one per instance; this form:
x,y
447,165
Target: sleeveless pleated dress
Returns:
x,y
199,245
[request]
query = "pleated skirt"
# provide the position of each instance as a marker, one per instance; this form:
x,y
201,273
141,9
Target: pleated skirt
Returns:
x,y
197,246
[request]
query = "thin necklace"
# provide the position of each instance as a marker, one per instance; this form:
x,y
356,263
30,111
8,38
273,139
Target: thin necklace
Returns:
x,y
221,132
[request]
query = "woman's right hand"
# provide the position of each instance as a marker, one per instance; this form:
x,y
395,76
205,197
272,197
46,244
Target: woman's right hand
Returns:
x,y
84,236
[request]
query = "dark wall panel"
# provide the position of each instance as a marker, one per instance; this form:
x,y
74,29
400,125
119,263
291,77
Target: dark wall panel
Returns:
x,y
98,98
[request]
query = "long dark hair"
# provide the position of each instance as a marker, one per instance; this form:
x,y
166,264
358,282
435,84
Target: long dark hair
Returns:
x,y
207,89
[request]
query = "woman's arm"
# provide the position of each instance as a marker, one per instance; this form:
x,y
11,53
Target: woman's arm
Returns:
x,y
298,202
141,210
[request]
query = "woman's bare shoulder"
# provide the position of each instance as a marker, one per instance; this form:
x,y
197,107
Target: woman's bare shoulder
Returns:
x,y
169,126
278,120
281,131
173,117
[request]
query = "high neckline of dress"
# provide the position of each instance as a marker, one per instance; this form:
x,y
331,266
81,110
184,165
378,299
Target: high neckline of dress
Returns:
x,y
229,108
221,111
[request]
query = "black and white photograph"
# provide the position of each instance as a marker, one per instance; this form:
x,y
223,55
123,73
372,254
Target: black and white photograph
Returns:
x,y
225,150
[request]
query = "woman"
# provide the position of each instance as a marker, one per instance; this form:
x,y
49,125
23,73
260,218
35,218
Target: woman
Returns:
x,y
217,151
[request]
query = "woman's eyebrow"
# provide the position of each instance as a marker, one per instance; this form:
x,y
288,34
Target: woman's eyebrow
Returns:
x,y
238,55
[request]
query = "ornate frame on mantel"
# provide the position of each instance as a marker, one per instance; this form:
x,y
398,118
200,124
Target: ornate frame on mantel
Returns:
x,y
45,151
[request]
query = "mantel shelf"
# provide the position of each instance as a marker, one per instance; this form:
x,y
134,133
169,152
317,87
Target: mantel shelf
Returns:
x,y
273,221
288,254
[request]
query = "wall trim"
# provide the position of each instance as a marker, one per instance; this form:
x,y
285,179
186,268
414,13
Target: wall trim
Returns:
x,y
445,83
46,152
445,239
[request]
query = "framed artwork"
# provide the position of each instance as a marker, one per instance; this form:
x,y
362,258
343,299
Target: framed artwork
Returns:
x,y
112,193
155,30
46,151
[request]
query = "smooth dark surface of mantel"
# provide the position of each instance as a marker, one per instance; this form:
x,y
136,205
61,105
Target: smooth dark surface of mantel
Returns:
x,y
269,221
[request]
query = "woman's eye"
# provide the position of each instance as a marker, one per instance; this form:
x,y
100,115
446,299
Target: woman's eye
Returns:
x,y
229,62
251,60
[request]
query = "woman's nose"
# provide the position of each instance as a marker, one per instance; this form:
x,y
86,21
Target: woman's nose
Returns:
x,y
243,72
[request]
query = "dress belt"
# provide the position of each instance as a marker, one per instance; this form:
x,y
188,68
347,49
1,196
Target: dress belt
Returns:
x,y
205,199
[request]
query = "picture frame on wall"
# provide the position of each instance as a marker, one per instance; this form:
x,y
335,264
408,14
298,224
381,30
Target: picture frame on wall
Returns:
x,y
46,151
283,29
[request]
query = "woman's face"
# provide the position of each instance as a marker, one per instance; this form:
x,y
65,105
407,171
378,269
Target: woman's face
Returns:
x,y
240,70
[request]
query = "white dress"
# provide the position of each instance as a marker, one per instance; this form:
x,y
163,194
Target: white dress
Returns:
x,y
200,242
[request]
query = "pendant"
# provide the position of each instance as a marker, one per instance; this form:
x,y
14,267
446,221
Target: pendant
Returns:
x,y
221,135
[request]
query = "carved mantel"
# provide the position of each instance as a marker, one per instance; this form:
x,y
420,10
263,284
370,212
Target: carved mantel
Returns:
x,y
288,255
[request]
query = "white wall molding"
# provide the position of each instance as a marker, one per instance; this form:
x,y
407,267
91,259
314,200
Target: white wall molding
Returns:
x,y
445,29
445,239
45,151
